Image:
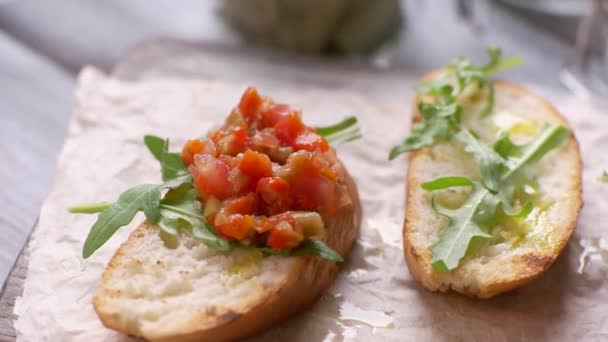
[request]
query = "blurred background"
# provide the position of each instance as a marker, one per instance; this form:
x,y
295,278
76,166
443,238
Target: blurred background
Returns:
x,y
44,44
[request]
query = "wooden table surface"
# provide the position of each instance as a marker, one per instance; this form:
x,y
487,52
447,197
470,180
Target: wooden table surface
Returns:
x,y
44,44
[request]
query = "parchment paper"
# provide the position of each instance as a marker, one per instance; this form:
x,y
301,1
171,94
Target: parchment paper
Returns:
x,y
374,297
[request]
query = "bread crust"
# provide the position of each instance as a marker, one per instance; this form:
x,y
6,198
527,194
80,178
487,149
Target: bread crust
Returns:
x,y
529,266
307,278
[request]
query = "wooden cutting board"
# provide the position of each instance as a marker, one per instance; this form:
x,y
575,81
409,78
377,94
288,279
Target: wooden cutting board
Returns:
x,y
161,58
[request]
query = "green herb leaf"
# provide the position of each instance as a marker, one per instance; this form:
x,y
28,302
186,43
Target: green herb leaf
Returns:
x,y
604,177
144,198
463,227
90,208
172,165
481,205
342,132
497,63
491,164
203,231
446,182
423,135
441,114
179,207
506,148
313,247
272,251
325,131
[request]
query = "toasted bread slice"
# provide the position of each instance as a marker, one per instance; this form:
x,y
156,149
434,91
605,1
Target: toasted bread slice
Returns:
x,y
523,252
165,288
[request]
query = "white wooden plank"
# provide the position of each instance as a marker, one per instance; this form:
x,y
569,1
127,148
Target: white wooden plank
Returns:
x,y
35,98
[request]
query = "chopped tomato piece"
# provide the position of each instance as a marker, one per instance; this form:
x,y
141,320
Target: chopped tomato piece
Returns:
x,y
250,104
255,165
265,140
239,227
229,160
312,183
268,223
234,143
244,205
211,176
310,141
284,237
217,136
288,128
272,115
274,193
194,147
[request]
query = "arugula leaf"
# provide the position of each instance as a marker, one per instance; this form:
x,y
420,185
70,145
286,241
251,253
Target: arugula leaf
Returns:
x,y
179,208
90,208
491,164
423,135
313,247
172,165
325,131
342,132
497,63
463,227
441,114
145,197
446,182
481,205
506,148
604,177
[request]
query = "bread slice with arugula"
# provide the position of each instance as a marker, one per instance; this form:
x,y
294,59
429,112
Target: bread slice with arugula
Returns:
x,y
248,228
493,182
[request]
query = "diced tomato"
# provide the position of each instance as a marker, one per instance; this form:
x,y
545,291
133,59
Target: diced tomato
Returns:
x,y
194,147
310,141
255,166
284,237
217,135
266,224
239,227
233,143
244,205
211,176
235,176
229,160
288,128
250,104
272,115
312,182
274,193
265,140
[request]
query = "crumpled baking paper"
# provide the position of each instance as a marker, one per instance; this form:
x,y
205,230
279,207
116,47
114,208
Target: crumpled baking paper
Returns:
x,y
374,297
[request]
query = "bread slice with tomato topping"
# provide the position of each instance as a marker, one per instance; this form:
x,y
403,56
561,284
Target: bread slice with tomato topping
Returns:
x,y
525,248
268,184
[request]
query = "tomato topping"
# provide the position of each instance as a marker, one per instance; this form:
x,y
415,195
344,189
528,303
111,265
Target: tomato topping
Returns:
x,y
241,205
255,166
272,115
264,176
312,182
310,141
194,147
211,176
250,104
274,193
284,237
239,227
288,128
265,139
